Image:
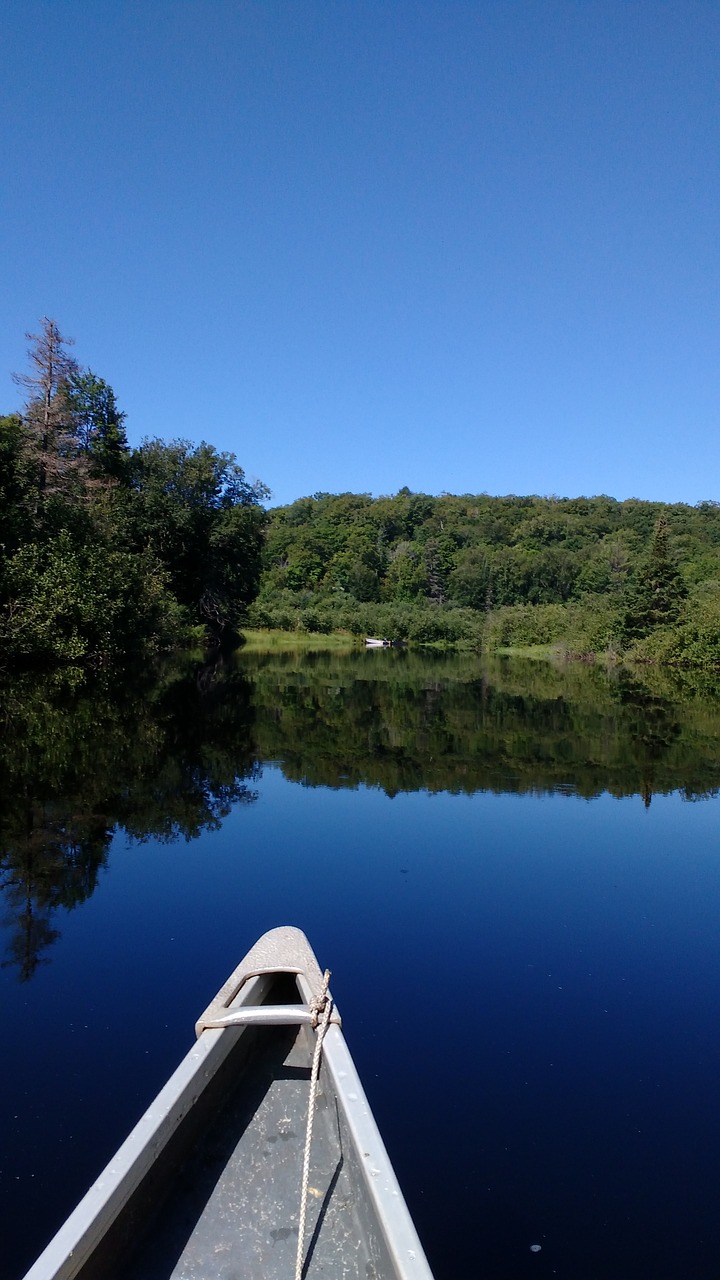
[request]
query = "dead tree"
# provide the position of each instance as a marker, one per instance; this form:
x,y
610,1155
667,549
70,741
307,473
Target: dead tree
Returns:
x,y
48,418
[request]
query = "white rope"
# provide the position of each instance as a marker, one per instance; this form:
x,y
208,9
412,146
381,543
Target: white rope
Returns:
x,y
322,1009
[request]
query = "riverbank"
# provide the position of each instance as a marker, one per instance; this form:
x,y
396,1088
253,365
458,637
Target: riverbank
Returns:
x,y
304,641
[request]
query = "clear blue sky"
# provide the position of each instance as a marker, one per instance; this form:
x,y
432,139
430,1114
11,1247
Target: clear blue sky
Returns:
x,y
462,246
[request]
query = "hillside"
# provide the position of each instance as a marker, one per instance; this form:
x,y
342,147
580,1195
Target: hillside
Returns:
x,y
589,574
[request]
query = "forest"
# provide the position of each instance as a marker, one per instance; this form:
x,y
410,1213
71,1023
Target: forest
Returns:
x,y
587,576
108,551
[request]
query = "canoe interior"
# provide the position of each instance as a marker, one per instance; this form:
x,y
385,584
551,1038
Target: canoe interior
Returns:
x,y
223,1199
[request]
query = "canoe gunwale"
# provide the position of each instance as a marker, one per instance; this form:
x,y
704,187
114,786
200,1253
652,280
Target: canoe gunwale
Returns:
x,y
81,1233
244,992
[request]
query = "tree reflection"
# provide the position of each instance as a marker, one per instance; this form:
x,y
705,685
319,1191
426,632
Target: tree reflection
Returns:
x,y
165,758
409,721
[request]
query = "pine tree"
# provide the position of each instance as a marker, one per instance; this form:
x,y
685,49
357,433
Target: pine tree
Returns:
x,y
656,596
98,424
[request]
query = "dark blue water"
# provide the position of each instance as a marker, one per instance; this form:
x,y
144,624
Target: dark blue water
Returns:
x,y
529,986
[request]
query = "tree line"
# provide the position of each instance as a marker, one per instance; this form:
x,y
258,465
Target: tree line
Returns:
x,y
108,551
105,550
587,574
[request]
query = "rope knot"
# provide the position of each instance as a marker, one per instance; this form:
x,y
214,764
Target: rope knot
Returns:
x,y
318,1002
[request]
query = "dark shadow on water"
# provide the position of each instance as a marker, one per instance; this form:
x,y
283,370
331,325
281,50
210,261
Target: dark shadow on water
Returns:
x,y
164,757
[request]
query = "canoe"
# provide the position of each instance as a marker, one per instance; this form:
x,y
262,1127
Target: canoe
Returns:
x,y
221,1178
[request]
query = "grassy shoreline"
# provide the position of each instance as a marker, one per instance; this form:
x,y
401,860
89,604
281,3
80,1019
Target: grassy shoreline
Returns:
x,y
271,640
305,640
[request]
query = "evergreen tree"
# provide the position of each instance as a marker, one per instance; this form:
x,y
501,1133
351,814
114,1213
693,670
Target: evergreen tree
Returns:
x,y
98,424
656,596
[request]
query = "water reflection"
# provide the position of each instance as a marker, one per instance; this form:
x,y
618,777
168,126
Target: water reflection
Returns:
x,y
406,722
168,755
164,757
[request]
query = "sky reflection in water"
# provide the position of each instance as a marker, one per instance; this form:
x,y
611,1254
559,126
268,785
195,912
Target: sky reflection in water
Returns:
x,y
528,981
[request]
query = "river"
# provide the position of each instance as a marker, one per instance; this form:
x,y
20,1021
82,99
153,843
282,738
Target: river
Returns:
x,y
512,869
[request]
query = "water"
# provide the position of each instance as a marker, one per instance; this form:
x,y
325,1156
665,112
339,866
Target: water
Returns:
x,y
513,873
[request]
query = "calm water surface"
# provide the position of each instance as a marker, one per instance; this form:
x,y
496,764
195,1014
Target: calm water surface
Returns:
x,y
513,873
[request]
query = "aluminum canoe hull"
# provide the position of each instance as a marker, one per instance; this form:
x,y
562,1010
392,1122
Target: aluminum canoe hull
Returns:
x,y
208,1182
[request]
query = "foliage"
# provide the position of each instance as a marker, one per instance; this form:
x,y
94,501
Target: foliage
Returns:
x,y
585,574
195,511
98,424
107,552
17,484
68,602
421,622
694,641
655,597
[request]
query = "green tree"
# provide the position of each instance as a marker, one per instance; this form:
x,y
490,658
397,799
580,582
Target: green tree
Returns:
x,y
406,576
470,581
98,424
656,596
69,601
17,486
195,511
104,552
